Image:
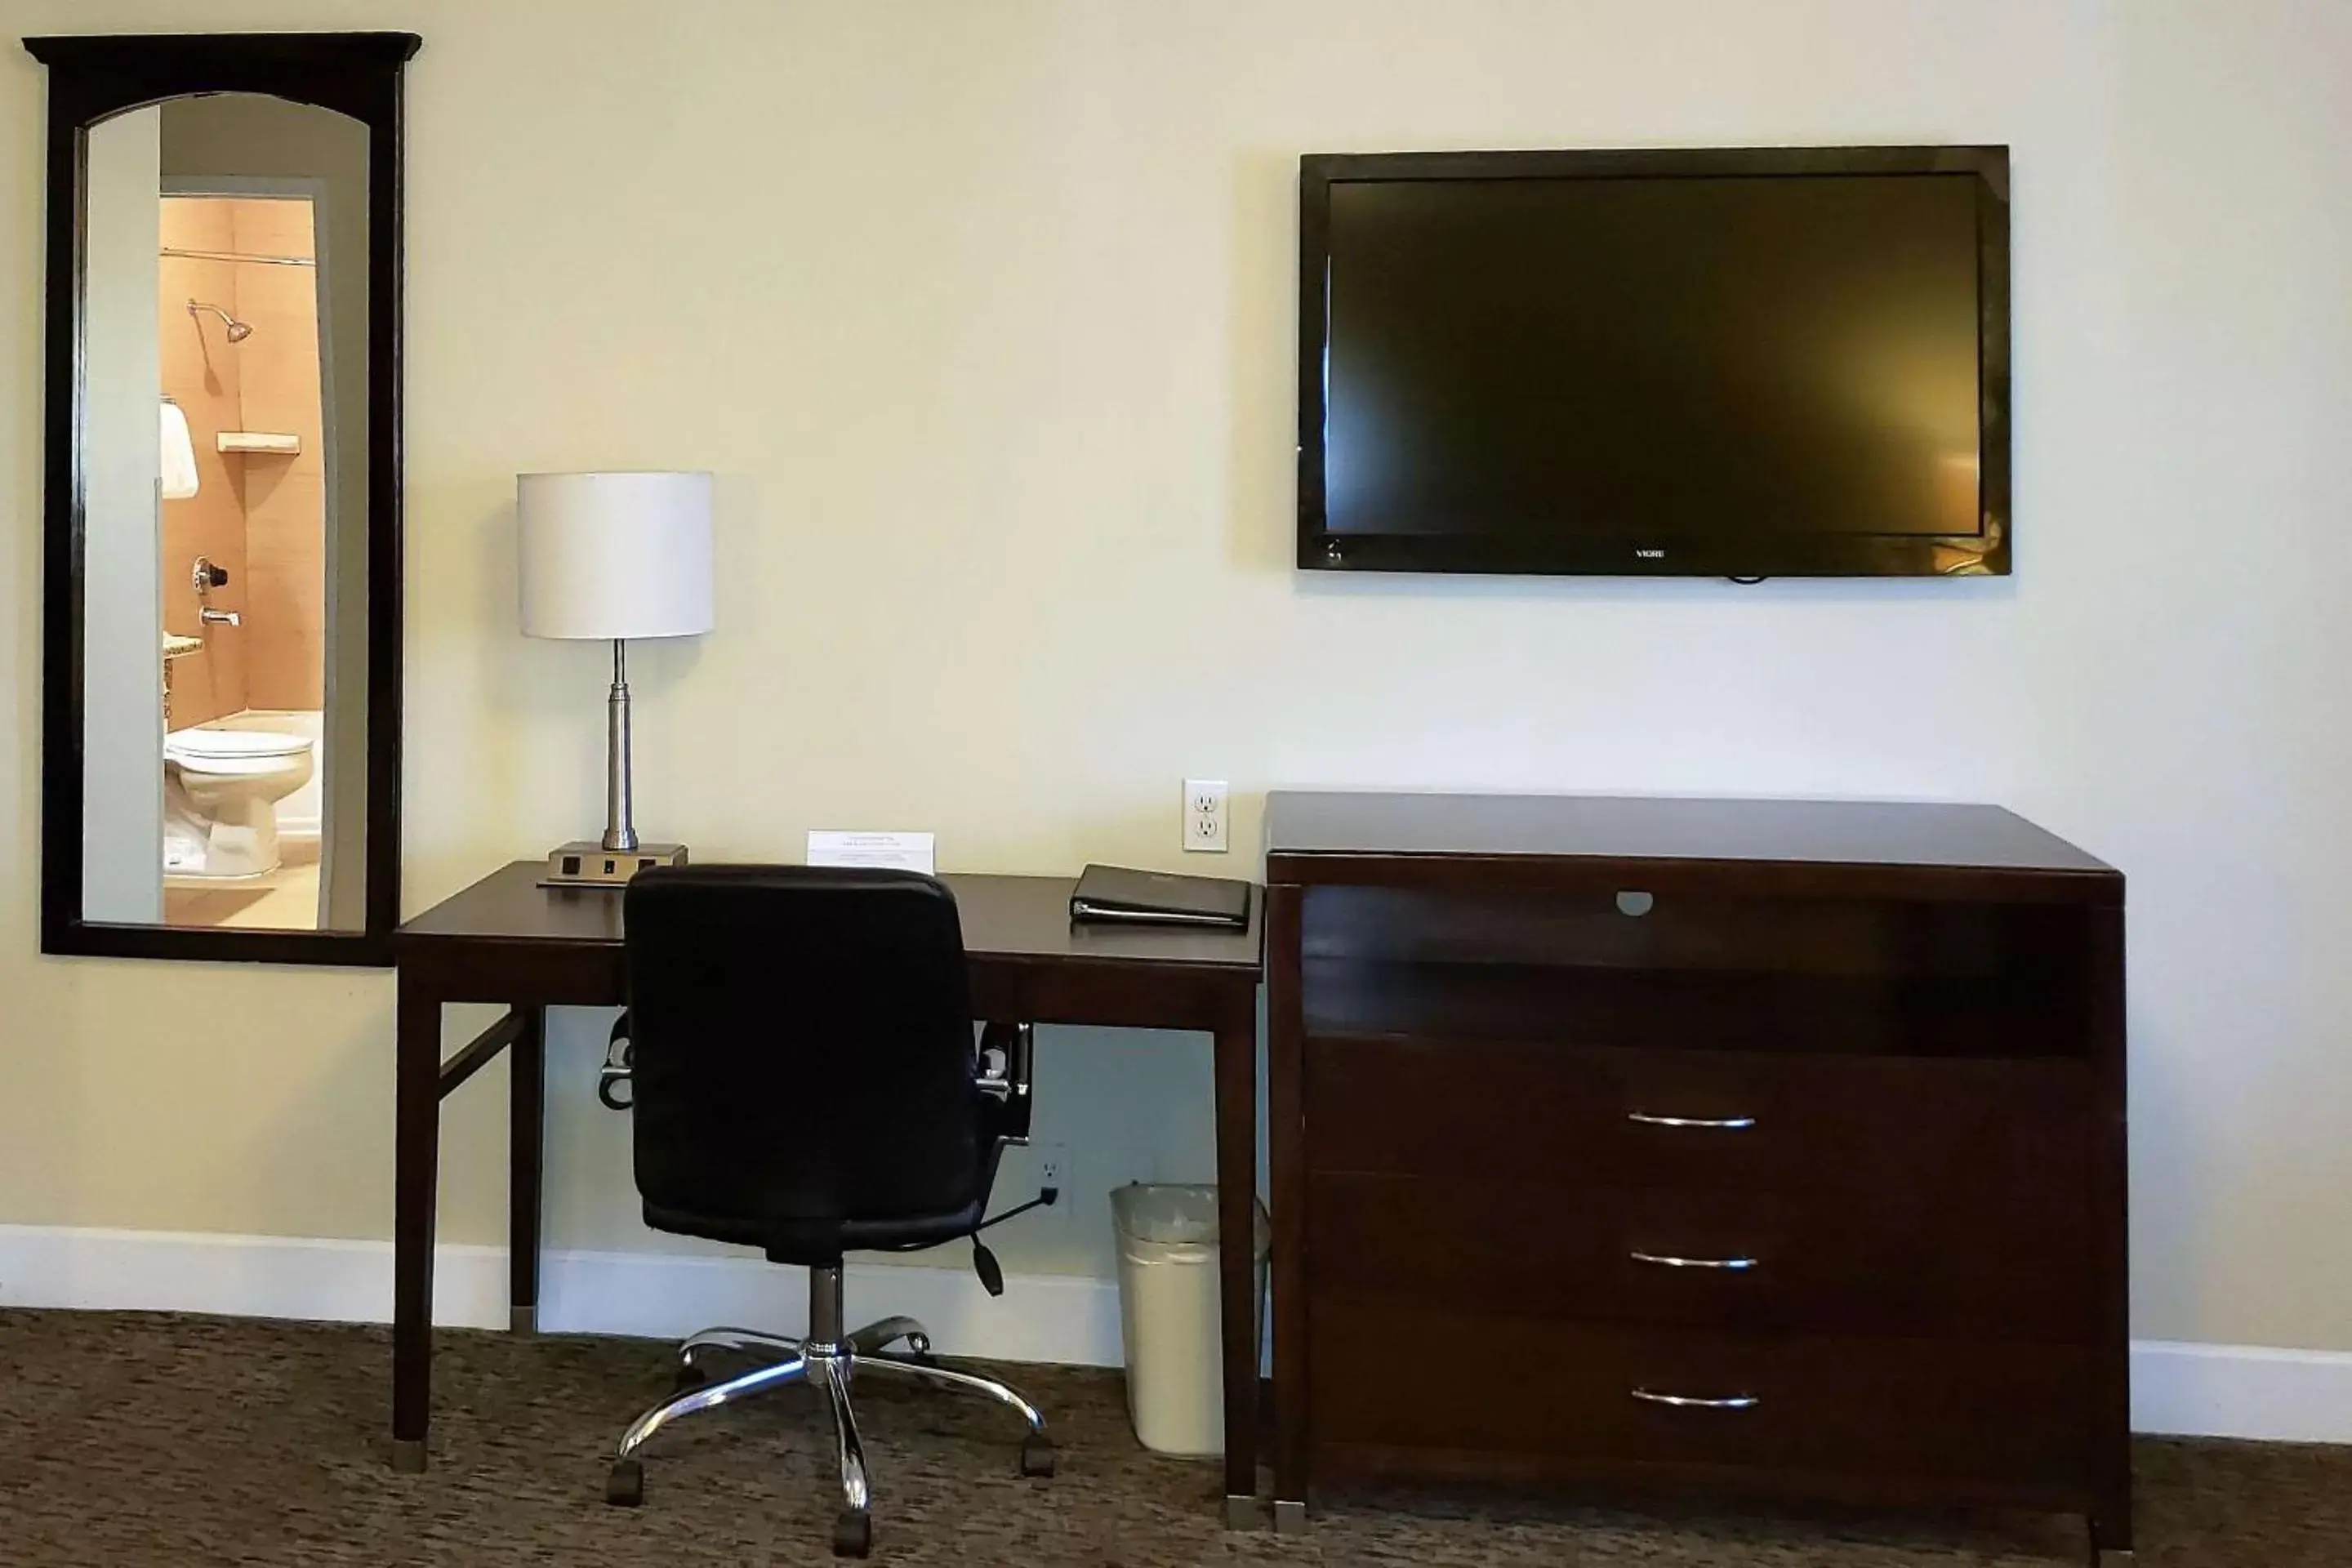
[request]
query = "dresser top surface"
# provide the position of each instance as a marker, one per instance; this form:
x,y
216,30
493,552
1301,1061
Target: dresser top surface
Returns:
x,y
1667,827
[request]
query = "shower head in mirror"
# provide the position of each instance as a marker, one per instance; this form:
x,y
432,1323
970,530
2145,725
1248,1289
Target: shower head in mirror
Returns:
x,y
237,330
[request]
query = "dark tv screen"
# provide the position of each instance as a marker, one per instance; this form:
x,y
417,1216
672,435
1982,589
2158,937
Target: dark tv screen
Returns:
x,y
1576,363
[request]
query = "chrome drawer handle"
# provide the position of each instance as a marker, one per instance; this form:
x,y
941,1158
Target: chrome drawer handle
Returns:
x,y
1668,1260
1724,1123
1684,1402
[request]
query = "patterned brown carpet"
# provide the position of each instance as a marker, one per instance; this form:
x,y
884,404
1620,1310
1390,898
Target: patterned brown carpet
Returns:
x,y
133,1441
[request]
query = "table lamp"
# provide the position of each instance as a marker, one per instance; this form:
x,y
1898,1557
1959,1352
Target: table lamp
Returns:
x,y
613,556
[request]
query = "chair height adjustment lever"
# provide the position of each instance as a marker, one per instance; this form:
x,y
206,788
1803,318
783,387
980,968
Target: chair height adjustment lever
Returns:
x,y
984,1264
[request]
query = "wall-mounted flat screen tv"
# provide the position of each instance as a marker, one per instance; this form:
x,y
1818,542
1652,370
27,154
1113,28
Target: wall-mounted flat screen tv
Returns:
x,y
1738,363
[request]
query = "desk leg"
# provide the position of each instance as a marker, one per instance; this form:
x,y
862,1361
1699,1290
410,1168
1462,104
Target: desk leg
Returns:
x,y
526,1147
1236,1088
416,1159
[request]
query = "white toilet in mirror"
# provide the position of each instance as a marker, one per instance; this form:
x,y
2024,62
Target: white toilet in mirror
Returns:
x,y
222,788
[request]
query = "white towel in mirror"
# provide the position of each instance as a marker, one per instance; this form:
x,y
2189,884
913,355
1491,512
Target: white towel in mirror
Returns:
x,y
179,470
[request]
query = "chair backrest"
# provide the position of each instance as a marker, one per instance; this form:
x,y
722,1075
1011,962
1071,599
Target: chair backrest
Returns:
x,y
804,1051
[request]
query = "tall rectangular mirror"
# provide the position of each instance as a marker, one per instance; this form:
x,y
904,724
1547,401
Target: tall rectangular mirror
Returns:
x,y
220,722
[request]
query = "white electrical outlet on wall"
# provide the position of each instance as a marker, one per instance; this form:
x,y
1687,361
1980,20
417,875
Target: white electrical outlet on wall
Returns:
x,y
1204,815
1049,1163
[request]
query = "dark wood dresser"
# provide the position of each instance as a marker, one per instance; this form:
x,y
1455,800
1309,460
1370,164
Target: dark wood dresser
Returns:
x,y
1771,1147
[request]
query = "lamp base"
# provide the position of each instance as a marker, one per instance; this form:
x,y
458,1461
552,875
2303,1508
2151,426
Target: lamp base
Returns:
x,y
586,863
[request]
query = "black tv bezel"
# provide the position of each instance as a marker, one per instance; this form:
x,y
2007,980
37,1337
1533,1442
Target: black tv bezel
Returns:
x,y
1983,554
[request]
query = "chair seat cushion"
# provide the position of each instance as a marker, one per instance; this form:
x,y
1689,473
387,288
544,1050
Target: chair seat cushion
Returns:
x,y
818,1241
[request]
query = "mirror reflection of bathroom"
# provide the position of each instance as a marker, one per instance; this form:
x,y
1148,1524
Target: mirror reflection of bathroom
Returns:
x,y
229,213
243,565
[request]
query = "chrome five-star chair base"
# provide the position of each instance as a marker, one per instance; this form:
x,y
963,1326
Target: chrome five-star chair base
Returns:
x,y
832,1360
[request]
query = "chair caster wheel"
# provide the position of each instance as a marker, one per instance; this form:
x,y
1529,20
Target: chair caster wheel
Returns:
x,y
689,1378
1036,1454
853,1534
626,1487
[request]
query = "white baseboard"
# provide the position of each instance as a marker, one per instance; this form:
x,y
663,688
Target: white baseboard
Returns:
x,y
1041,1317
313,1279
2241,1390
2190,1390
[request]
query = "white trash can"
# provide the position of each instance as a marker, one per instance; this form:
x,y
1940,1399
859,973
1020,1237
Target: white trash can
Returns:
x,y
1168,1317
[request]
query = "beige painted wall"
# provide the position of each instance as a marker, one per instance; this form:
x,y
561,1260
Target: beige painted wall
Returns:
x,y
983,313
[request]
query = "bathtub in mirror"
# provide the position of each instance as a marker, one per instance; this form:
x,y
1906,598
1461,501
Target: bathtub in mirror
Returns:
x,y
221,657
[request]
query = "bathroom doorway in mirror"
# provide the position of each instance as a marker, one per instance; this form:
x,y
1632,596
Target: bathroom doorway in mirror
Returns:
x,y
247,551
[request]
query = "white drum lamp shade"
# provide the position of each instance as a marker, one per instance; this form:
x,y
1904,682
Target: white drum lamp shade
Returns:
x,y
610,557
615,555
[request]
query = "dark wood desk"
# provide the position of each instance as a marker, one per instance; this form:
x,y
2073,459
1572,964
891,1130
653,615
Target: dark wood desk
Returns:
x,y
507,940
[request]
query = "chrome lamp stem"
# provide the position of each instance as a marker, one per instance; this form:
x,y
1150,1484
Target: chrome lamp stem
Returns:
x,y
620,826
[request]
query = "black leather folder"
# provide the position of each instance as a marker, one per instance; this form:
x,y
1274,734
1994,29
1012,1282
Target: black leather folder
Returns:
x,y
1114,894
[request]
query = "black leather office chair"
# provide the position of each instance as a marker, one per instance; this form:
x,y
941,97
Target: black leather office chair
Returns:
x,y
804,1081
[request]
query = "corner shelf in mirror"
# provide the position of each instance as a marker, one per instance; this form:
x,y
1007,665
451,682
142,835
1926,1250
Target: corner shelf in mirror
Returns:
x,y
178,647
259,443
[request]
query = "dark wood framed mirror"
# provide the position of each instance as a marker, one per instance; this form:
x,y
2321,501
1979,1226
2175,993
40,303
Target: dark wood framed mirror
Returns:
x,y
221,643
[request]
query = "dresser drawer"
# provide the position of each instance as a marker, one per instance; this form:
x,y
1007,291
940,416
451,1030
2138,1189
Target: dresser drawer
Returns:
x,y
1737,1120
1973,1416
1963,1260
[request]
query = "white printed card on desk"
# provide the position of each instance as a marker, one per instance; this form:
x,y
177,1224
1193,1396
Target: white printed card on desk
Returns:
x,y
890,851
